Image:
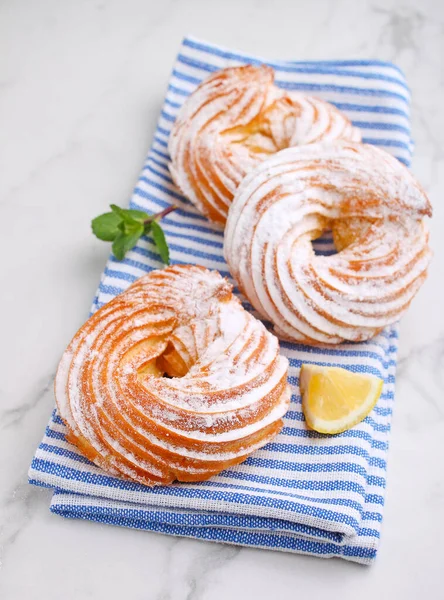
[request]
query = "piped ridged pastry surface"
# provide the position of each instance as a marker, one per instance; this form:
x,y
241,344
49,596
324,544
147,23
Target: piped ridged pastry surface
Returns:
x,y
172,380
233,121
375,209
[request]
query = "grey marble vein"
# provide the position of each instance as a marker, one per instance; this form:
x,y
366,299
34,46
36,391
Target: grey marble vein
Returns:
x,y
13,416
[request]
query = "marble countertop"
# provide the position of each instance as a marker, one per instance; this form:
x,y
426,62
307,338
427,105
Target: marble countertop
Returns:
x,y
81,84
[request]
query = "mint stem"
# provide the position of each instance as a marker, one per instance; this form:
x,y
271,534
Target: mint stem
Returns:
x,y
160,215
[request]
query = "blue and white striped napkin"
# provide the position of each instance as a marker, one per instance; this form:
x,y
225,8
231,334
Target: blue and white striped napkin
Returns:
x,y
304,492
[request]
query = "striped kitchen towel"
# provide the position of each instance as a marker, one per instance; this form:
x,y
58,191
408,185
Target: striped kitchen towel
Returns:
x,y
304,492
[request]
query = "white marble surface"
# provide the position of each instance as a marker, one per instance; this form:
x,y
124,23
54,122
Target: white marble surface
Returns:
x,y
80,88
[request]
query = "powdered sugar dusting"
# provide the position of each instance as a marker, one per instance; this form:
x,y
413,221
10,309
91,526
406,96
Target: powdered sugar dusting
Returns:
x,y
375,209
235,120
224,397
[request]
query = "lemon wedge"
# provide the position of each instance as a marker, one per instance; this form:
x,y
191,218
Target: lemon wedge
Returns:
x,y
334,399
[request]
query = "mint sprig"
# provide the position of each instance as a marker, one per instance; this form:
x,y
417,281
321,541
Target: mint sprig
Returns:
x,y
124,226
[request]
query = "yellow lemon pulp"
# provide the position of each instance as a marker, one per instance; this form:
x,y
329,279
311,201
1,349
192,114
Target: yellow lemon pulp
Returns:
x,y
334,399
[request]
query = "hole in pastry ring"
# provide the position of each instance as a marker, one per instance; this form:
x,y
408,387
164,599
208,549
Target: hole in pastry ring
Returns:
x,y
172,379
375,209
234,120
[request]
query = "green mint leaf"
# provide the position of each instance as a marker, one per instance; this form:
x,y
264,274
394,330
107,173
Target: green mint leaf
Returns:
x,y
117,210
137,215
106,226
160,241
126,240
124,226
128,215
129,226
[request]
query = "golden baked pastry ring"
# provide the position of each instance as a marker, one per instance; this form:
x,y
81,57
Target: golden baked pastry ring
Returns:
x,y
375,209
233,121
172,379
